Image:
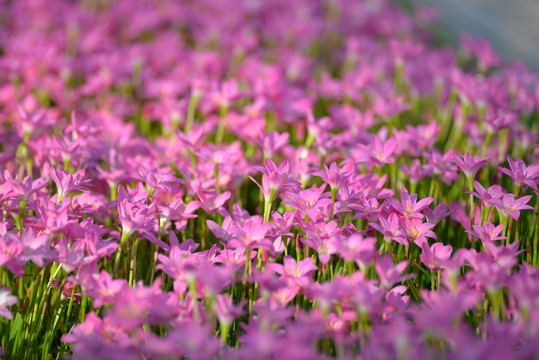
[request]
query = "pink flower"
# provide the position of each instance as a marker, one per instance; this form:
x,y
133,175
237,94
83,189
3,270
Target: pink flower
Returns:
x,y
298,274
251,234
389,273
390,228
440,212
487,233
442,165
469,164
417,230
376,153
212,202
488,196
66,182
6,300
358,249
416,171
511,206
497,120
312,202
334,176
521,174
368,208
102,288
226,311
271,143
275,180
409,206
435,256
25,188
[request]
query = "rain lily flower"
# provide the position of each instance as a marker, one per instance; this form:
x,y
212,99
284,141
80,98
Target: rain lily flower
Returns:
x,y
391,229
6,300
434,257
469,164
510,206
275,180
521,174
389,273
409,207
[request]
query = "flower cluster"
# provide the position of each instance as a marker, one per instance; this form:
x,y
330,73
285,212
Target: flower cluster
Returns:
x,y
274,179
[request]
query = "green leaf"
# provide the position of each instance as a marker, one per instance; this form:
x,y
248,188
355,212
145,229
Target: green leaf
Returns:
x,y
16,326
413,291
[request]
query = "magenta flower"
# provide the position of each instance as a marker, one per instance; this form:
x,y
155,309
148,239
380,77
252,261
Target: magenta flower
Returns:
x,y
298,274
212,202
358,249
226,311
36,247
497,120
435,256
424,136
510,206
368,208
409,207
137,217
417,231
488,196
192,140
324,247
521,174
469,164
30,121
25,188
390,228
271,143
222,233
441,165
487,233
312,202
102,288
376,153
389,273
99,338
66,182
275,180
416,171
52,217
11,252
226,93
440,212
251,235
155,178
334,176
177,211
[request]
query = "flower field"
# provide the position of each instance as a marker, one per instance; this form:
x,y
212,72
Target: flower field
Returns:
x,y
307,179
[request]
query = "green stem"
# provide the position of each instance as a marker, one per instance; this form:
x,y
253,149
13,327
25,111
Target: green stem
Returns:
x,y
125,236
221,127
195,96
133,265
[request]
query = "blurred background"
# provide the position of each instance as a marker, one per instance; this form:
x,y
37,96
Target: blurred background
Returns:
x,y
511,26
